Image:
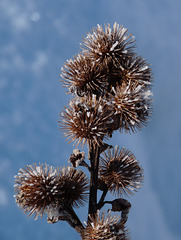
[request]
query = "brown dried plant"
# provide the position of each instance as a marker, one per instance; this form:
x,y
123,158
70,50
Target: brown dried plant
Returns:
x,y
110,88
106,226
120,171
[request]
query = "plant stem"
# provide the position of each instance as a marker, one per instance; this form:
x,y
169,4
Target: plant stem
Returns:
x,y
94,153
74,221
101,201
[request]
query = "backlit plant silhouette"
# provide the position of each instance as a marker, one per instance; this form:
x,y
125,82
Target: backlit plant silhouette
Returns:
x,y
110,89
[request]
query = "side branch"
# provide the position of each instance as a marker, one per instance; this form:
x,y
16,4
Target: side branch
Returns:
x,y
73,220
101,201
120,205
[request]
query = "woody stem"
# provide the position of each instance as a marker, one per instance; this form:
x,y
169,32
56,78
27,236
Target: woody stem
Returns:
x,y
94,154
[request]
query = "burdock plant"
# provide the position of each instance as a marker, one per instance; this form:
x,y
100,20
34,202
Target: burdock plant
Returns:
x,y
110,89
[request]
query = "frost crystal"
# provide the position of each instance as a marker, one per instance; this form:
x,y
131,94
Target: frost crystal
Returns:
x,y
114,46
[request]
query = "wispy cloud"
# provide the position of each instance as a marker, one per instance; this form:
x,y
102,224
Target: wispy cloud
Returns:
x,y
3,197
11,58
19,15
39,62
15,15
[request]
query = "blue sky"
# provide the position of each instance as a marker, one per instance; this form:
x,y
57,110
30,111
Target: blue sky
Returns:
x,y
36,38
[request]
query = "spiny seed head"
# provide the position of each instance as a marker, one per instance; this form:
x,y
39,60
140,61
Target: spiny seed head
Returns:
x,y
109,45
133,69
120,171
107,61
75,185
105,227
82,75
86,120
132,105
43,189
36,188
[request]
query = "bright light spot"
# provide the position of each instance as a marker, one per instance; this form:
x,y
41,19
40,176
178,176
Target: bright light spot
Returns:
x,y
35,17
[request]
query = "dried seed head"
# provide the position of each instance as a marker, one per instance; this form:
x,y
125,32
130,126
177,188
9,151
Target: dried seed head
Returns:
x,y
44,190
134,70
75,186
85,120
36,188
82,75
132,105
105,227
110,45
120,171
107,68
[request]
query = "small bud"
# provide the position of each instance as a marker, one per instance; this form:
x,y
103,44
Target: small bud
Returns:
x,y
77,158
120,204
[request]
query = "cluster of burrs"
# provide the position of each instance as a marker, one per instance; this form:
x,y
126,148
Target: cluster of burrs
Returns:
x,y
110,87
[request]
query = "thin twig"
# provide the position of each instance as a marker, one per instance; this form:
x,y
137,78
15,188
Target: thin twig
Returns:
x,y
101,201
